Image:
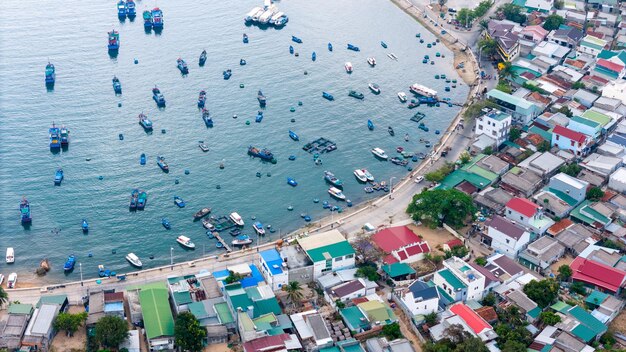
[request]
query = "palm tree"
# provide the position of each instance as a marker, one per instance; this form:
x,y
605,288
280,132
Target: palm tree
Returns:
x,y
4,297
507,70
294,291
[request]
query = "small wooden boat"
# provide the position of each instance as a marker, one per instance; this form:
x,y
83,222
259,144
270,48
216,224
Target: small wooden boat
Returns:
x,y
58,177
402,96
202,59
235,232
370,125
353,47
330,178
166,223
390,130
227,74
327,96
296,39
330,47
371,61
162,164
201,213
179,202
355,94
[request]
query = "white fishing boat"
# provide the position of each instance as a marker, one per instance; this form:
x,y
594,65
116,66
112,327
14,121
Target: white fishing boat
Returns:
x,y
253,13
402,96
336,193
258,227
368,175
371,61
379,153
423,91
10,257
348,66
12,280
185,242
360,175
267,15
242,240
134,260
207,224
236,218
276,16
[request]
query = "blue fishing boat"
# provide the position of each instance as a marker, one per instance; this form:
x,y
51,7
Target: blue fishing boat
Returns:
x,y
102,272
292,182
242,62
330,178
227,74
296,39
166,223
69,263
145,122
293,135
202,58
131,9
383,44
55,140
201,99
245,38
25,216
65,137
85,226
313,56
370,125
262,99
327,96
142,159
158,97
121,9
157,18
290,49
142,199
117,86
134,196
147,20
114,40
179,202
206,117
330,47
58,177
259,117
353,47
258,227
162,164
182,66
264,154
50,75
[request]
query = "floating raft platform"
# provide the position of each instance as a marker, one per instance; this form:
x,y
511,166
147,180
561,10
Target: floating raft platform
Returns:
x,y
221,223
320,145
418,117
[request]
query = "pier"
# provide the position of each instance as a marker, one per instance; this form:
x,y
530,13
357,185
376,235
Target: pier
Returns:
x,y
221,240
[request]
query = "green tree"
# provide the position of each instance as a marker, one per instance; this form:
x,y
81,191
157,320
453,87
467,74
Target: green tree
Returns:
x,y
488,150
507,71
544,146
69,322
368,271
480,261
578,85
571,169
558,4
565,111
565,272
431,319
513,13
233,277
294,292
475,110
514,134
578,287
489,300
465,17
513,346
188,334
549,318
553,22
340,304
504,87
457,251
595,193
543,292
488,46
439,174
465,158
111,331
4,297
608,339
392,331
438,206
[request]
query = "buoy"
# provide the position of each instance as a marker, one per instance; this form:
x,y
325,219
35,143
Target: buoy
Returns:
x,y
253,217
152,256
163,131
316,200
299,103
292,109
432,62
176,181
186,172
269,174
293,120
90,255
100,177
258,174
98,281
234,116
218,187
241,85
290,208
409,168
88,159
307,218
136,61
437,132
119,105
306,73
297,54
247,122
114,251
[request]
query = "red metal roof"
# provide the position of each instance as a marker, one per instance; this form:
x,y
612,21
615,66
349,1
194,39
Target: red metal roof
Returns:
x,y
390,259
470,317
598,274
454,243
610,65
266,343
567,133
395,237
523,206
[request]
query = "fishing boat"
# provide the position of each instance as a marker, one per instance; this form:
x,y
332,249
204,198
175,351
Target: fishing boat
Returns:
x,y
145,122
234,232
392,56
399,149
208,225
259,117
313,56
390,131
157,18
368,175
252,14
379,153
166,223
398,161
290,49
179,202
296,39
203,147
353,47
261,98
330,178
242,241
383,44
69,263
134,196
158,97
162,164
10,255
374,88
328,96
355,94
402,96
117,86
227,74
134,260
330,47
102,272
293,135
55,140
121,9
258,228
58,177
147,20
131,9
336,193
370,125
202,58
264,154
142,199
206,117
242,62
201,213
292,182
25,216
281,21
12,280
371,61
423,127
50,75
182,66
245,38
406,137
348,67
236,218
114,40
423,91
185,242
360,175
201,99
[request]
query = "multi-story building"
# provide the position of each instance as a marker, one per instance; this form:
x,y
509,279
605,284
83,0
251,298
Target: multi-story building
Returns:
x,y
274,269
495,124
329,251
564,138
460,281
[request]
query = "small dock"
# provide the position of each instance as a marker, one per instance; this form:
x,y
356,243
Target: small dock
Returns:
x,y
221,223
320,145
221,240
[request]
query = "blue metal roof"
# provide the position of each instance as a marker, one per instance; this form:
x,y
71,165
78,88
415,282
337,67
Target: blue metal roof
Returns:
x,y
422,289
254,279
273,260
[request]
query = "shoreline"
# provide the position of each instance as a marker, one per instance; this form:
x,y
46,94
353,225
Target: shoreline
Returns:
x,y
460,54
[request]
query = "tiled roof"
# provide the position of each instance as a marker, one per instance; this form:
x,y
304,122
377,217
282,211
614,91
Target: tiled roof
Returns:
x,y
347,288
567,133
610,65
395,237
487,313
597,274
559,226
507,227
454,243
266,343
475,322
523,206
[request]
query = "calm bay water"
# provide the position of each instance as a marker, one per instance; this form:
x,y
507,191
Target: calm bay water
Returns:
x,y
73,35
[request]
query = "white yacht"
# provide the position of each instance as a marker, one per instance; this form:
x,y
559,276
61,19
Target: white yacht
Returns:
x,y
185,242
368,175
348,66
379,153
336,192
12,280
371,61
134,260
360,175
402,97
10,255
236,218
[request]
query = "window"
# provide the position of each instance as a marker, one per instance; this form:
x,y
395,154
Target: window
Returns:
x,y
509,212
507,241
493,133
557,137
571,143
480,127
349,256
425,307
338,259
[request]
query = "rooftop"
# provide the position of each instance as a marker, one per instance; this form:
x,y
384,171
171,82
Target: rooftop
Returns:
x,y
157,316
598,274
392,238
475,322
451,279
569,134
506,226
273,260
523,206
497,94
321,240
398,269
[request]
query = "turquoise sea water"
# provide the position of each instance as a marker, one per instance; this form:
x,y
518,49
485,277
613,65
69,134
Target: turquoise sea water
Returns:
x,y
73,36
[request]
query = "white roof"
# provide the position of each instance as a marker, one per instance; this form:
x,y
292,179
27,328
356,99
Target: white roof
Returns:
x,y
574,182
619,175
42,322
320,240
132,342
243,269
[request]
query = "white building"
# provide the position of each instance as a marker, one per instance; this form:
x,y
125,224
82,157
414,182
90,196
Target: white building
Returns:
x,y
506,236
274,269
617,180
529,214
569,185
460,281
312,329
495,124
420,298
329,251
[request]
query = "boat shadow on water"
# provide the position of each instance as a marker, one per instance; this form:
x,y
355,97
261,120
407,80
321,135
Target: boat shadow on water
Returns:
x,y
113,53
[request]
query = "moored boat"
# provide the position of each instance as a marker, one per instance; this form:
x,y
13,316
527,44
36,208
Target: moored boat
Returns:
x,y
399,161
206,117
314,56
258,228
227,74
330,47
242,240
360,175
58,177
50,75
185,242
131,9
290,49
25,216
69,263
117,86
202,58
145,122
293,135
261,98
327,96
203,147
55,137
10,255
114,40
264,154
390,131
179,202
379,153
201,99
166,223
292,182
252,14
371,61
355,94
368,175
242,62
245,38
12,280
134,195
402,96
296,39
259,117
121,9
353,47
370,125
374,88
157,18
336,193
147,20
134,260
201,213
383,44
331,179
236,218
158,97
142,199
162,164
182,66
423,91
348,67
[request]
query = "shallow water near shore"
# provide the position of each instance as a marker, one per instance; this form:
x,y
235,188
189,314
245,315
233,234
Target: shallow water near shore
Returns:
x,y
83,100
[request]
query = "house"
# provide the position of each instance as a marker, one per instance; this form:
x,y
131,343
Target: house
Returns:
x,y
568,36
595,215
419,298
536,34
564,184
339,277
526,305
402,244
545,164
522,111
529,214
590,45
11,333
508,41
505,236
617,180
460,280
279,342
329,251
615,90
567,139
609,69
573,237
539,255
585,97
365,315
493,199
601,164
114,304
312,330
468,319
585,126
600,276
495,124
345,292
381,344
554,339
157,317
578,322
605,307
521,182
40,330
273,268
399,273
503,267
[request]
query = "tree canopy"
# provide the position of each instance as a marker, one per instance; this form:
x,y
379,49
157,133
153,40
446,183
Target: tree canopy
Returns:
x,y
188,333
4,297
69,322
392,331
565,272
456,340
111,331
549,318
513,13
368,271
233,277
294,291
595,193
435,207
543,292
571,169
553,22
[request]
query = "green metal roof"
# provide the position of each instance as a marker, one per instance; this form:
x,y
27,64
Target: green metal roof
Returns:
x,y
253,292
563,196
17,308
182,297
524,104
157,316
586,122
588,320
223,313
240,301
477,170
561,306
598,117
596,297
583,332
353,316
398,269
458,176
330,349
594,215
198,310
266,306
547,135
451,279
606,71
54,299
534,313
335,250
264,322
607,54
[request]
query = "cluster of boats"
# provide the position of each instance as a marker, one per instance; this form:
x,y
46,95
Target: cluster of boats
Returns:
x,y
59,137
138,199
268,15
10,259
126,8
153,19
